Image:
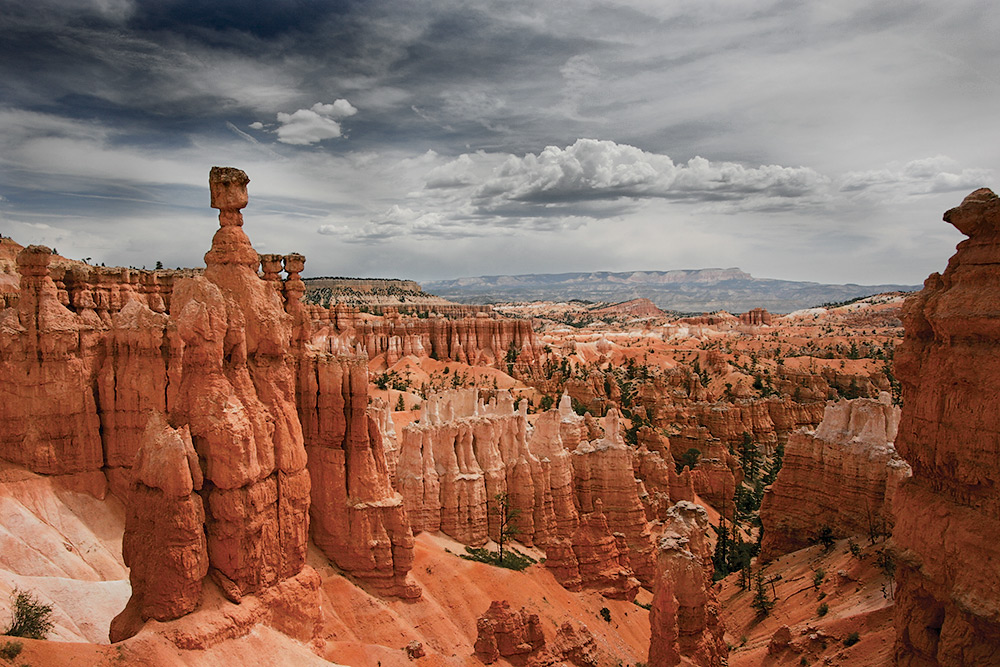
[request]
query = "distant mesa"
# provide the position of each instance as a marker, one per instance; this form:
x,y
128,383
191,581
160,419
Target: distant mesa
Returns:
x,y
685,291
384,295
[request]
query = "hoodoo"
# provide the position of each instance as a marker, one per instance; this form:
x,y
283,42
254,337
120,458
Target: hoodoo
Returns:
x,y
231,395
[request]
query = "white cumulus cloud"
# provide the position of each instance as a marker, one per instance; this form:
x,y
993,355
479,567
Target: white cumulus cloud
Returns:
x,y
604,170
310,126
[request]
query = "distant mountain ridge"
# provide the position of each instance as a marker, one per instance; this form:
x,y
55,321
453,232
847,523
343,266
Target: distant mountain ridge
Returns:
x,y
685,290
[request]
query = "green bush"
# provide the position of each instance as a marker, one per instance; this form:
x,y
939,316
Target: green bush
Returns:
x,y
852,639
818,577
512,560
822,609
826,538
32,619
10,650
606,614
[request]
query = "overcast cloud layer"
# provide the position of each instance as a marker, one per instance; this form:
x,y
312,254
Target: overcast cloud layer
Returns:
x,y
442,139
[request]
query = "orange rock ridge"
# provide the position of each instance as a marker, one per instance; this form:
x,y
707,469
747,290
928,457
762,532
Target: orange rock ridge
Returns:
x,y
571,495
232,394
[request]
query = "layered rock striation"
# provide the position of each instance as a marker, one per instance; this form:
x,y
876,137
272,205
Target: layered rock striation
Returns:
x,y
502,632
358,518
203,396
948,512
842,477
478,340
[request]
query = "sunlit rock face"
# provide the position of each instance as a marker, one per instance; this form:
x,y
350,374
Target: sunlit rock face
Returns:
x,y
842,476
948,513
230,431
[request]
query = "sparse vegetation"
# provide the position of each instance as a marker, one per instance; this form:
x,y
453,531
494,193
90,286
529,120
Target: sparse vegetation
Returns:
x,y
762,602
31,618
606,614
506,516
826,538
822,609
818,577
689,459
852,639
512,559
854,547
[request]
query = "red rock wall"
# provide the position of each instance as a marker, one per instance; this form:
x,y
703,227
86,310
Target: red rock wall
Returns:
x,y
842,476
48,359
602,470
948,513
477,340
168,560
358,519
230,401
572,495
199,376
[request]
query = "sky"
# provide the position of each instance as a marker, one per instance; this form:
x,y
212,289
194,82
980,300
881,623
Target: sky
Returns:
x,y
438,139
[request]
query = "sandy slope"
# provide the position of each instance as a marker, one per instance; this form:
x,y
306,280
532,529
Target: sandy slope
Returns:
x,y
857,596
364,630
64,546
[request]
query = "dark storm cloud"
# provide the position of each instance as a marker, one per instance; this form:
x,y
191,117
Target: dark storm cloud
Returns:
x,y
469,117
210,20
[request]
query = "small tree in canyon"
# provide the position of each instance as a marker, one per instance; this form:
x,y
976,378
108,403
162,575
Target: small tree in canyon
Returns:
x,y
507,522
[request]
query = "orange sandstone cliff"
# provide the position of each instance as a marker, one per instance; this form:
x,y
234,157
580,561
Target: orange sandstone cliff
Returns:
x,y
948,513
842,477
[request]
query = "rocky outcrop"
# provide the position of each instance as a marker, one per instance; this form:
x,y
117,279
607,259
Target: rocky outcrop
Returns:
x,y
578,499
164,544
756,317
685,627
232,396
602,469
518,637
842,476
234,360
48,357
506,633
948,512
479,340
358,518
574,644
660,484
593,558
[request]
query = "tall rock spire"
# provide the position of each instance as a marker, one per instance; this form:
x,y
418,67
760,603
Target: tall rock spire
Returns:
x,y
948,513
